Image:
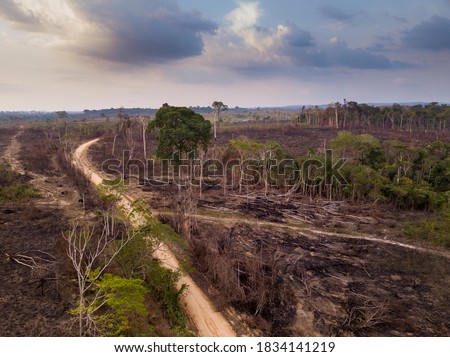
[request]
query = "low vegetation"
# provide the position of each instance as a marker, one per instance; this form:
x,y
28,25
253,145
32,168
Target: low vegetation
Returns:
x,y
13,188
435,230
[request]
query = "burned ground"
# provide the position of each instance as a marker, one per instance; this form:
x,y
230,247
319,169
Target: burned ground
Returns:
x,y
32,303
6,134
262,256
296,140
265,258
35,288
303,285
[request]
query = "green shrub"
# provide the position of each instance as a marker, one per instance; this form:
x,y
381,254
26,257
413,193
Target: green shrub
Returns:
x,y
161,283
117,306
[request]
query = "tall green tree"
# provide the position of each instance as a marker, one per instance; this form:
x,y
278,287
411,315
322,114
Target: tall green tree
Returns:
x,y
180,130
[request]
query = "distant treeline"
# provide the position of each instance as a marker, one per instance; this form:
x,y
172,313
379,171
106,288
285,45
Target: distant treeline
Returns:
x,y
347,115
351,115
85,114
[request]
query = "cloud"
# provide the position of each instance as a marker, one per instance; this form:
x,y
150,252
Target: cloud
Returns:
x,y
402,82
244,17
46,16
335,13
245,47
333,41
338,54
243,28
142,31
14,13
397,18
297,37
383,42
252,53
342,55
430,35
136,32
338,26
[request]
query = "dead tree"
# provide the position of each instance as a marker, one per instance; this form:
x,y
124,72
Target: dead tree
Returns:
x,y
218,108
144,120
124,123
41,264
91,255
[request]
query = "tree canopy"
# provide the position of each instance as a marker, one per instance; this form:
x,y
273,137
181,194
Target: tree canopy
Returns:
x,y
180,130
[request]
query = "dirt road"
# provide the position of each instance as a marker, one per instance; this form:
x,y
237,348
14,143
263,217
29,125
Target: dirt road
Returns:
x,y
208,321
12,154
310,232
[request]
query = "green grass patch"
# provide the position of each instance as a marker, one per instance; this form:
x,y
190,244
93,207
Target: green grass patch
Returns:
x,y
19,193
435,231
12,190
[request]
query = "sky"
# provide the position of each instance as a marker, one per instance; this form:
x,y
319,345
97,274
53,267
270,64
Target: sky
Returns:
x,y
93,54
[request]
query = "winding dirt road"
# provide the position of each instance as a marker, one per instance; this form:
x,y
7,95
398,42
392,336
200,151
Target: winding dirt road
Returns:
x,y
208,321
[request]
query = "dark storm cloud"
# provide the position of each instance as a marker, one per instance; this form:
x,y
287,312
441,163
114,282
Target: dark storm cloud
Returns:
x,y
300,38
361,59
135,32
397,18
340,55
433,34
142,31
335,13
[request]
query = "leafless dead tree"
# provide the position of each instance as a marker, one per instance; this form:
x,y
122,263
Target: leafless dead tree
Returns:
x,y
41,264
144,120
91,255
124,122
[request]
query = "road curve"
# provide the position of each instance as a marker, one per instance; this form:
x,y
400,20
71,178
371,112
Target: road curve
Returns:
x,y
208,321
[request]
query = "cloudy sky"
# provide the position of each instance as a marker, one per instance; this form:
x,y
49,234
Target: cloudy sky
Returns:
x,y
88,54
